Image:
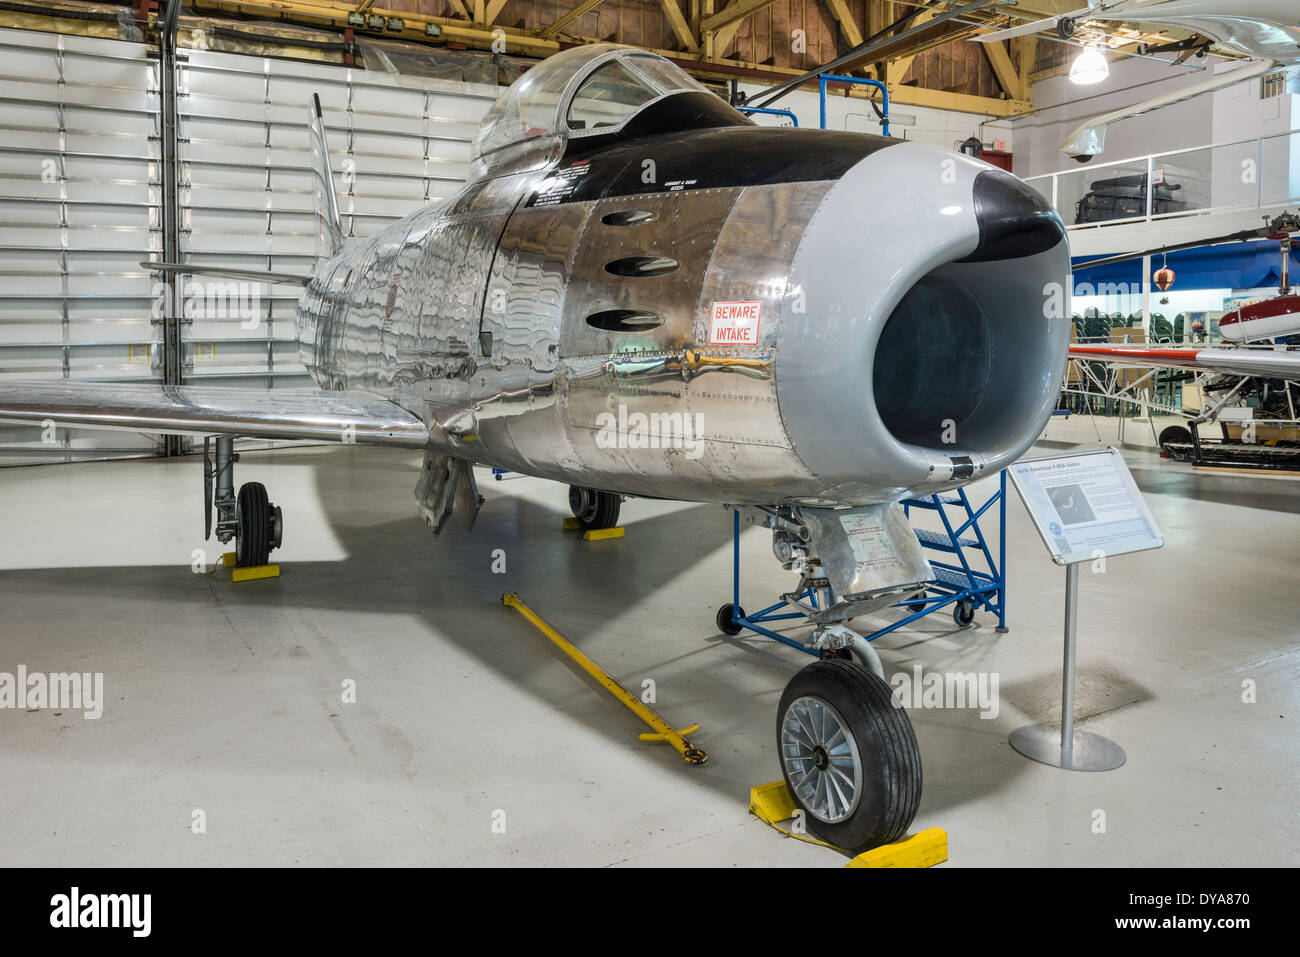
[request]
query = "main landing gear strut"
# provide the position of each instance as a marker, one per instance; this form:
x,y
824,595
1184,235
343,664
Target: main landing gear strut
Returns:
x,y
249,518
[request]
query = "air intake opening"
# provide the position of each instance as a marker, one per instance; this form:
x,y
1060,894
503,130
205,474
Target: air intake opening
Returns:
x,y
959,364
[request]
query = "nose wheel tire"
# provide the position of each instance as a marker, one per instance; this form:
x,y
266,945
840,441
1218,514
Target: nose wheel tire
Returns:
x,y
594,509
259,526
848,755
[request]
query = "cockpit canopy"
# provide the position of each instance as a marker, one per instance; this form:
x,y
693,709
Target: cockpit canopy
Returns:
x,y
585,91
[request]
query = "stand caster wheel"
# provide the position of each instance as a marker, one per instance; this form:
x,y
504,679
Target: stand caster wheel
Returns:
x,y
724,619
848,755
594,509
963,613
259,526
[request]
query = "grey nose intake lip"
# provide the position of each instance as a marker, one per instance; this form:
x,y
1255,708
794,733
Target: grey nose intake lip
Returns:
x,y
940,329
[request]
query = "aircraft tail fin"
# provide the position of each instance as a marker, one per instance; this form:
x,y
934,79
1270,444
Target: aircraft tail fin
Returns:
x,y
329,231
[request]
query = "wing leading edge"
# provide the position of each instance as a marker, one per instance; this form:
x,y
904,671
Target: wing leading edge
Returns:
x,y
317,415
1246,362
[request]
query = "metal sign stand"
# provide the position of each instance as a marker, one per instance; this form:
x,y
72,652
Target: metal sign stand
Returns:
x,y
1068,748
1084,505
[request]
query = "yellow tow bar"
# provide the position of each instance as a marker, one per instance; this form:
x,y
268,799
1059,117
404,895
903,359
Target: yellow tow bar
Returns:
x,y
662,730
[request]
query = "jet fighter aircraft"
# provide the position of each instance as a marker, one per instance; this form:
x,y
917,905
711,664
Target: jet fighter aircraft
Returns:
x,y
640,292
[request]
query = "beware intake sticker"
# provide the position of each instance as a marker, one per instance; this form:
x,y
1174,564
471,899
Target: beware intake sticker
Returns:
x,y
735,323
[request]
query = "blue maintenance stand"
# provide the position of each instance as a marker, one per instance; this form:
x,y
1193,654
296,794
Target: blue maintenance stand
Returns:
x,y
822,80
747,110
967,577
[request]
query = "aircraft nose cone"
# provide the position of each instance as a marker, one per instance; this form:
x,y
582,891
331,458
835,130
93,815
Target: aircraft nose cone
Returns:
x,y
1014,220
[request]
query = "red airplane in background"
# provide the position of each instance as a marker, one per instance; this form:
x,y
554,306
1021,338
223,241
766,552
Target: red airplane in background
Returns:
x,y
1272,322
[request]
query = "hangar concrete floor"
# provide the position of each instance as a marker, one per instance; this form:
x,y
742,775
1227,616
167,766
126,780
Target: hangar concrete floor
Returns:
x,y
226,698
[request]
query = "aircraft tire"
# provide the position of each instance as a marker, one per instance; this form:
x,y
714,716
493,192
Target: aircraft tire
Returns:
x,y
594,509
252,525
869,746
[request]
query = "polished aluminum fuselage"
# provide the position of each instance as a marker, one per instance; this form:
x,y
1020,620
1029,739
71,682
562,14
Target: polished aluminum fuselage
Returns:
x,y
473,314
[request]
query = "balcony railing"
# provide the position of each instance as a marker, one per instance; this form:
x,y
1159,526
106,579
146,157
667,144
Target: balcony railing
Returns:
x,y
1258,173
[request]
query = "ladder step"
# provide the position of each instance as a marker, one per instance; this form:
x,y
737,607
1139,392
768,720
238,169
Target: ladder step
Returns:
x,y
958,581
941,541
927,503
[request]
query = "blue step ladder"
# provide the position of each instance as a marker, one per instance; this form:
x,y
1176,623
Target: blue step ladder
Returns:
x,y
967,576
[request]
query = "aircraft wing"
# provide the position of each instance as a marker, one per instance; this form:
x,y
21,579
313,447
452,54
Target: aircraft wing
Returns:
x,y
1274,364
317,415
1024,29
1265,31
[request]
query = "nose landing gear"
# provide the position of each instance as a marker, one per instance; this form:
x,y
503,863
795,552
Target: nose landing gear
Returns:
x,y
848,755
250,519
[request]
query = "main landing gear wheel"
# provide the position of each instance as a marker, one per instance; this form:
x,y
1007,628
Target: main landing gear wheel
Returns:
x,y
594,509
724,619
259,526
848,755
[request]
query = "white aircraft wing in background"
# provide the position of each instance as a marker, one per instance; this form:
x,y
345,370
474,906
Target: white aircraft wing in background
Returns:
x,y
1267,31
1269,363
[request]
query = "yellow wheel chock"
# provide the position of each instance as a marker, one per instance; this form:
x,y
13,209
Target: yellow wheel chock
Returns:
x,y
772,803
250,572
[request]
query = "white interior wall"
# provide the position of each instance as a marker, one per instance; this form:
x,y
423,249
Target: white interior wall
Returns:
x,y
80,208
1232,114
1062,106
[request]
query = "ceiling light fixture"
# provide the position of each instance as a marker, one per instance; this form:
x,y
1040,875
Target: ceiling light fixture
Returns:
x,y
1089,67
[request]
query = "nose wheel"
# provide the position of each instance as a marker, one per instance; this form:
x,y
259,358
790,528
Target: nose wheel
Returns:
x,y
848,755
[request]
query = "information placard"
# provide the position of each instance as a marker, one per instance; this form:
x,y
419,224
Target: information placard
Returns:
x,y
1086,505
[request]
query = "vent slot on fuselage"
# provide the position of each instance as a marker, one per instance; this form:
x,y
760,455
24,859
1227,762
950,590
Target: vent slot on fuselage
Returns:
x,y
625,320
629,217
642,266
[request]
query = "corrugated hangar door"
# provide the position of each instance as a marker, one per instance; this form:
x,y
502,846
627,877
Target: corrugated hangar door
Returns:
x,y
81,206
396,145
79,210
